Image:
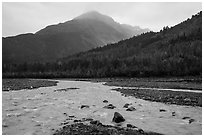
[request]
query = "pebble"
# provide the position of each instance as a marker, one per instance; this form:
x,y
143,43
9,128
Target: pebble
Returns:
x,y
162,110
131,109
131,126
173,113
191,120
105,101
126,105
110,106
84,106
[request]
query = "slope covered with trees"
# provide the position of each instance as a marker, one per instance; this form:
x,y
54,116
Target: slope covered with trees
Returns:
x,y
175,51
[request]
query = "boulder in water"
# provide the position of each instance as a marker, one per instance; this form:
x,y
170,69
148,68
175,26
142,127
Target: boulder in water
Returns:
x,y
118,118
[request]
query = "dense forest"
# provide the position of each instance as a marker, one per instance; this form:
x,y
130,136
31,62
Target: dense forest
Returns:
x,y
175,51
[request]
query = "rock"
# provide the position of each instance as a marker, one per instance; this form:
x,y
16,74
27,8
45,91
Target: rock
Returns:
x,y
71,116
110,106
131,126
173,113
96,122
37,125
64,123
77,120
131,109
191,120
186,118
68,118
4,125
118,118
105,101
84,106
162,110
87,119
126,105
141,131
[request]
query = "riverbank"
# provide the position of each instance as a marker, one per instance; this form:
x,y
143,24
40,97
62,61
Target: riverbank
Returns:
x,y
180,91
165,96
188,83
18,84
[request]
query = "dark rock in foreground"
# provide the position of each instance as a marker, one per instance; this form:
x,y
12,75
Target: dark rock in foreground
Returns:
x,y
118,118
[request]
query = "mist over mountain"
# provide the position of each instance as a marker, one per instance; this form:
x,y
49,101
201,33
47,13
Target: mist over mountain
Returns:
x,y
85,32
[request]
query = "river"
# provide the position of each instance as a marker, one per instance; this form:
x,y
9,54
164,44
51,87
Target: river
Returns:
x,y
40,111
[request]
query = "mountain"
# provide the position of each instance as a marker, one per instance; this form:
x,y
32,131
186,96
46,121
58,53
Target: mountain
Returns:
x,y
85,32
175,51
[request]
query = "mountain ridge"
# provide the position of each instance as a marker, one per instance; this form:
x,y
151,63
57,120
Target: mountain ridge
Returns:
x,y
63,39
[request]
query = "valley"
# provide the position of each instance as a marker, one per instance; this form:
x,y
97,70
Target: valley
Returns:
x,y
91,75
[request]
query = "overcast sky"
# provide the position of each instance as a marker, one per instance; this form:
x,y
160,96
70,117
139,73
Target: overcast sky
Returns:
x,y
18,18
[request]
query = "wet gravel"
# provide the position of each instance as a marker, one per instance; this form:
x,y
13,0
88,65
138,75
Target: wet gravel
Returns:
x,y
168,97
18,84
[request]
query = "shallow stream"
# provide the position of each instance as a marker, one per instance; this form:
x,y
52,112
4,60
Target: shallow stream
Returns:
x,y
41,111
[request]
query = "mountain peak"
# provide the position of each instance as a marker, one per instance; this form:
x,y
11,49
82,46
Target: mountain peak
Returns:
x,y
95,15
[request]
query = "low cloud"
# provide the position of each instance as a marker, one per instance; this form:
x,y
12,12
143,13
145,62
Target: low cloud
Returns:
x,y
30,17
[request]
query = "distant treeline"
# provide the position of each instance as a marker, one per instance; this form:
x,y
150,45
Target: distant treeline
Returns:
x,y
170,52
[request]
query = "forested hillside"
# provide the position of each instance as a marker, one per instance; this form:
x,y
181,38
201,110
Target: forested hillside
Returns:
x,y
175,51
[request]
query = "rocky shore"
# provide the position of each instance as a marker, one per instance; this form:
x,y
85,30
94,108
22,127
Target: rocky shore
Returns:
x,y
95,127
167,97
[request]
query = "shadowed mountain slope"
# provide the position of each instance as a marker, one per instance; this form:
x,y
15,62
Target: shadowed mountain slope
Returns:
x,y
87,31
